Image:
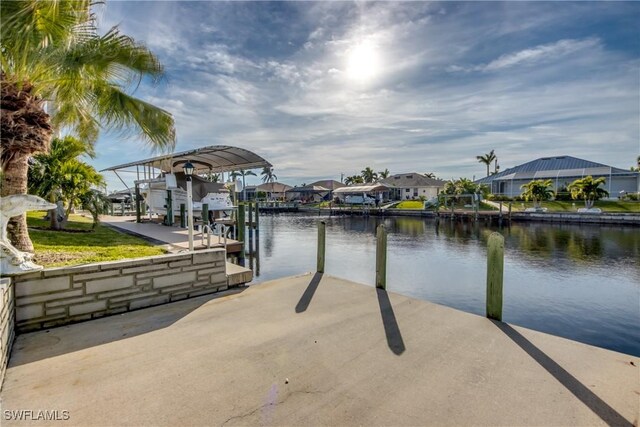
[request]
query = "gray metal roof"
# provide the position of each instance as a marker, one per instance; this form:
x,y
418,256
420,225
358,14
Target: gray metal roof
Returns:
x,y
555,167
215,158
412,179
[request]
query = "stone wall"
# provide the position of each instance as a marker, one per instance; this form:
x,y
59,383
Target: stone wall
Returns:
x,y
65,295
7,314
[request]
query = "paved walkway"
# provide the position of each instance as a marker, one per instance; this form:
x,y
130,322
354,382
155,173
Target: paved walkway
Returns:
x,y
314,350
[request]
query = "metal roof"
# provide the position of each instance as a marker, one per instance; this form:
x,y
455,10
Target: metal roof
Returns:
x,y
411,179
555,167
362,188
215,158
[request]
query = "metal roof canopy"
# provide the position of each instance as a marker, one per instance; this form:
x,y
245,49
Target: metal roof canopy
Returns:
x,y
362,188
215,158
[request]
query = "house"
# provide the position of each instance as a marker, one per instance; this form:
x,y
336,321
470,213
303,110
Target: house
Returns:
x,y
408,186
562,171
273,190
315,192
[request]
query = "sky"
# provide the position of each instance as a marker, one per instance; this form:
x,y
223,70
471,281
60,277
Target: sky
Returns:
x,y
321,89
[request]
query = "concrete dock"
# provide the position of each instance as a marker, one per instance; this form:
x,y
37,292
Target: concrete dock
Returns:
x,y
315,350
176,238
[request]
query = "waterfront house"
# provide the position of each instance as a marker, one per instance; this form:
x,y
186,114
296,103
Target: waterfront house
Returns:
x,y
273,190
562,171
413,185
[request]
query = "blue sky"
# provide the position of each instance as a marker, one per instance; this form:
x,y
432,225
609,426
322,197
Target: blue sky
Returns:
x,y
324,88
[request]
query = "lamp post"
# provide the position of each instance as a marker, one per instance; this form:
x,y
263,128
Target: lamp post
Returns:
x,y
188,171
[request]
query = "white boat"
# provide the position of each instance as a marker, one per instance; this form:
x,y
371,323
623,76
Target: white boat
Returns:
x,y
215,195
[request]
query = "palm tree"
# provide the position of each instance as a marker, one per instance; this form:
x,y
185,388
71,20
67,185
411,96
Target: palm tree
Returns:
x,y
60,175
430,175
268,175
53,56
537,190
354,179
487,159
96,203
243,174
368,175
212,177
384,174
588,189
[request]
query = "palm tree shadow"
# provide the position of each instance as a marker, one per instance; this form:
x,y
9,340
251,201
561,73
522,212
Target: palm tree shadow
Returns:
x,y
609,415
391,329
306,297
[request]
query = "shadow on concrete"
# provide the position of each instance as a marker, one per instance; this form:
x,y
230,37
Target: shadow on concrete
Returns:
x,y
391,329
306,297
34,346
571,383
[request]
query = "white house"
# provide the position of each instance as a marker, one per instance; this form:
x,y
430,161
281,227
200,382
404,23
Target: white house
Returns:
x,y
408,186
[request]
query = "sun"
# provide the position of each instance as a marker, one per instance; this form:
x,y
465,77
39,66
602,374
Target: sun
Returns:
x,y
363,62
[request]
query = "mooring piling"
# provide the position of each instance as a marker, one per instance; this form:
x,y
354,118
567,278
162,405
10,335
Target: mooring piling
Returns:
x,y
495,272
381,257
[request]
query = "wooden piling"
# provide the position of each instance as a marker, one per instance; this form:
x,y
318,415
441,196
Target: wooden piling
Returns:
x,y
321,246
169,206
495,272
510,211
381,257
241,223
205,214
257,219
138,212
250,216
183,216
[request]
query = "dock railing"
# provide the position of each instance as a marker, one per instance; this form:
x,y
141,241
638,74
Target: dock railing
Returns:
x,y
495,266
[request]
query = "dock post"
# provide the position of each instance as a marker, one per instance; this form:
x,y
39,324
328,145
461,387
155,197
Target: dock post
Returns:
x,y
138,213
495,271
250,217
205,214
241,223
183,216
257,219
452,207
510,211
169,208
381,257
321,245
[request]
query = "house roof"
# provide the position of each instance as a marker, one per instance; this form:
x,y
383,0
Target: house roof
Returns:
x,y
273,187
308,189
554,167
412,179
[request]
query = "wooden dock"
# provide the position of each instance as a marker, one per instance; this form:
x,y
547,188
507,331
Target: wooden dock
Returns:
x,y
316,350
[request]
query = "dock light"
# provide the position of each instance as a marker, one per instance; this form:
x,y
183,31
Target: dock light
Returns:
x,y
188,171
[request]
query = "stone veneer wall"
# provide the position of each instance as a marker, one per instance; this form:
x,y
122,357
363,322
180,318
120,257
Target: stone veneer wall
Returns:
x,y
7,315
65,295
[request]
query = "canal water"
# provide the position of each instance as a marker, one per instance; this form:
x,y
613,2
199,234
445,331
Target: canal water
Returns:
x,y
576,281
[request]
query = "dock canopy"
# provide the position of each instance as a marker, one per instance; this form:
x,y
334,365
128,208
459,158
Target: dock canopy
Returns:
x,y
361,188
215,158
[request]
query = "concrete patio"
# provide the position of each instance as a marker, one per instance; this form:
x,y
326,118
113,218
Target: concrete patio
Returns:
x,y
315,350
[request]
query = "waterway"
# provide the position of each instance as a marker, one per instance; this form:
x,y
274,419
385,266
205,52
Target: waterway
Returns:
x,y
581,282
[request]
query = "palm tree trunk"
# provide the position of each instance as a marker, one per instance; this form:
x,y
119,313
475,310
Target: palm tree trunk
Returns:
x,y
488,168
14,181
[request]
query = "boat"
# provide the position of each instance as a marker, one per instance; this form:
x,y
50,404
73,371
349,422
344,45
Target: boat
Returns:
x,y
215,195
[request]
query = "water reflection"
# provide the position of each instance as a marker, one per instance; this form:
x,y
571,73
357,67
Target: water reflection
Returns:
x,y
581,282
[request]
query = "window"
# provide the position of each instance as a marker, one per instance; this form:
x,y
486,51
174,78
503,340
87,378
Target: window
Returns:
x,y
407,190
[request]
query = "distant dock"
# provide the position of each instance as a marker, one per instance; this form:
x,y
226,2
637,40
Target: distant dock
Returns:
x,y
316,350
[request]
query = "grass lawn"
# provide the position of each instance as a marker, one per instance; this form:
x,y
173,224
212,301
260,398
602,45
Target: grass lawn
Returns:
x,y
59,248
562,206
410,204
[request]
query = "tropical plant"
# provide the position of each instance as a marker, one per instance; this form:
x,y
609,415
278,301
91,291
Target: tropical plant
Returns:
x,y
242,173
384,174
212,177
97,203
60,175
268,175
588,189
430,175
368,175
354,179
537,190
51,53
487,159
